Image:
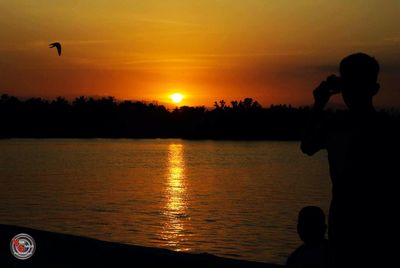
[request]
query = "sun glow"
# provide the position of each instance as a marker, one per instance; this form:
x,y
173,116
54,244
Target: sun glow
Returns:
x,y
176,97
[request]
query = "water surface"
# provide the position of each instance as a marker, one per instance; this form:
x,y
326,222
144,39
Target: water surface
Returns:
x,y
229,198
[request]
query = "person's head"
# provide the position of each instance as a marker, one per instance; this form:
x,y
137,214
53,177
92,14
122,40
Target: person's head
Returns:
x,y
359,73
311,225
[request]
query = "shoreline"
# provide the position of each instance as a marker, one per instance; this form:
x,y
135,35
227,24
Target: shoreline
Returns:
x,y
64,250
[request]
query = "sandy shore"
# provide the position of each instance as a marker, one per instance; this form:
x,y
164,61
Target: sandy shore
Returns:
x,y
61,250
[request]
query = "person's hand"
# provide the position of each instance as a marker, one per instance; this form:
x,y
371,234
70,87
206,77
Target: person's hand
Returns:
x,y
323,92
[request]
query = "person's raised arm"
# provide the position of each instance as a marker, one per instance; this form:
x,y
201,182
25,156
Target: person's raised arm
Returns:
x,y
314,135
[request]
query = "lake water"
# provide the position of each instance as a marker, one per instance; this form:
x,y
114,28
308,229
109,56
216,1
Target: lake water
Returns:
x,y
229,198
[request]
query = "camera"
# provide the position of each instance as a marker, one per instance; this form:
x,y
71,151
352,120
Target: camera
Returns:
x,y
335,83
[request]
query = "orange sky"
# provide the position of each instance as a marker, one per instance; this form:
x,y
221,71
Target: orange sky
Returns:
x,y
272,51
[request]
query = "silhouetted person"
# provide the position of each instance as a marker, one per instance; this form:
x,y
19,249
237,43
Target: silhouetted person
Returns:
x,y
363,149
311,228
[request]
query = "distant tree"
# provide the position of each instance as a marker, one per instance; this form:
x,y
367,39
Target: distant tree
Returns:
x,y
220,105
106,117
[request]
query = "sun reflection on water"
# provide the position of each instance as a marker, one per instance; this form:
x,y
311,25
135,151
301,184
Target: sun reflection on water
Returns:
x,y
173,233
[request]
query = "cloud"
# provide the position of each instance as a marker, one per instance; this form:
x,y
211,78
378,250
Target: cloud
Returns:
x,y
163,21
4,46
393,40
70,42
390,68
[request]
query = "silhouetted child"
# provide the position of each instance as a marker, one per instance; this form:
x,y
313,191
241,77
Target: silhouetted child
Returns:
x,y
311,228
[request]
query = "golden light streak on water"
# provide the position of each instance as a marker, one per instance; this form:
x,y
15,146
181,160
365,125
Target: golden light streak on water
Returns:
x,y
175,208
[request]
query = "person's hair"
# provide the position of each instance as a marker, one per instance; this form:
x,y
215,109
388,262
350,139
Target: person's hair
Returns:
x,y
360,67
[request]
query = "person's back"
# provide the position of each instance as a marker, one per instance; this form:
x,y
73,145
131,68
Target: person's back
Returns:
x,y
360,145
361,189
311,228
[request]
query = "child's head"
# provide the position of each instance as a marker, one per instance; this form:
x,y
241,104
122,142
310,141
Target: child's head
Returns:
x,y
359,73
311,225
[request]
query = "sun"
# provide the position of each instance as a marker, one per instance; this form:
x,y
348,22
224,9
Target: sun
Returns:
x,y
176,97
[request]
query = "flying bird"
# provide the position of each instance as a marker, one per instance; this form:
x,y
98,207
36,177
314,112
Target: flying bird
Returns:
x,y
56,45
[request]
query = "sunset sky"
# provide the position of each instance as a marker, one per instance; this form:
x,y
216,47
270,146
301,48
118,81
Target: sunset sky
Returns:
x,y
272,51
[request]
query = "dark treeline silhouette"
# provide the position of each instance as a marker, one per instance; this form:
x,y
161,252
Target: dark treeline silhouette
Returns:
x,y
107,118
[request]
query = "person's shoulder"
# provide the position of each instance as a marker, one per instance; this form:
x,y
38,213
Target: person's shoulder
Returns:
x,y
337,118
334,121
388,125
292,259
331,120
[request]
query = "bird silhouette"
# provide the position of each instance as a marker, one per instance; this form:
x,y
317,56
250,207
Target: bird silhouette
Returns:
x,y
56,45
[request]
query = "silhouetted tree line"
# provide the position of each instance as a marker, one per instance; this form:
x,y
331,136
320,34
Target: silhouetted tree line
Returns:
x,y
107,118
